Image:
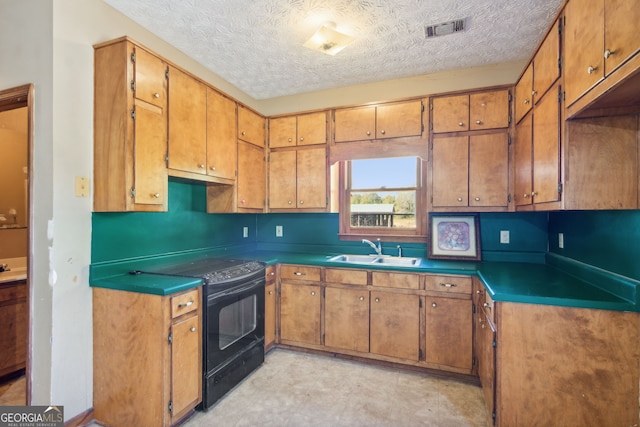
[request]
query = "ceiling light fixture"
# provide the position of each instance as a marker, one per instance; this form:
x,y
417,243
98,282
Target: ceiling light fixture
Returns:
x,y
328,40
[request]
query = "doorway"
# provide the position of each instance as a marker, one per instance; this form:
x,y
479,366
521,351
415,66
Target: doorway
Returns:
x,y
16,145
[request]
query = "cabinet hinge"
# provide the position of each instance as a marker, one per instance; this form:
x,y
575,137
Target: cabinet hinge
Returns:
x,y
132,192
473,361
560,26
560,188
170,338
431,106
473,308
420,303
509,118
510,97
133,114
133,85
508,198
422,128
166,74
171,406
494,344
133,57
493,416
560,64
559,94
509,136
420,354
422,104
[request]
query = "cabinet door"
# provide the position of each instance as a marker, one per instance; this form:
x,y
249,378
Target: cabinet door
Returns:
x,y
486,360
523,157
524,88
346,321
621,39
186,365
546,149
13,318
300,313
395,325
187,123
583,46
449,332
489,110
222,138
354,124
398,120
312,178
269,314
250,126
150,147
489,170
282,132
450,168
150,78
251,176
546,63
282,179
450,113
312,128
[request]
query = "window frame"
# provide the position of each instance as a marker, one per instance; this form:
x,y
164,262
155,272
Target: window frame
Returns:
x,y
347,232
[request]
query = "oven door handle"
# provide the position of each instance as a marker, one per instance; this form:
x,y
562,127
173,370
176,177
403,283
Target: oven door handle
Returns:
x,y
235,291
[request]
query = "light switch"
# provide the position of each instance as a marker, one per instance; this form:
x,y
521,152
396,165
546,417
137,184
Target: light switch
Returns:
x,y
245,231
504,236
278,231
82,186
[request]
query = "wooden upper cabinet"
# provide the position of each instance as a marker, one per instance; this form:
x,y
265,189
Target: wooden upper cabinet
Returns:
x,y
489,170
399,119
251,126
130,129
354,124
523,159
282,179
546,149
546,63
450,113
304,129
187,123
475,111
450,169
621,18
298,179
150,83
489,110
583,46
251,181
222,138
393,120
524,93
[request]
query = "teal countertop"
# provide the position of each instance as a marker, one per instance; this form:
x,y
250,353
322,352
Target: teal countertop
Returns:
x,y
505,281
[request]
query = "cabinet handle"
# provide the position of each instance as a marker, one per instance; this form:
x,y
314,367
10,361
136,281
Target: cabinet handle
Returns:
x,y
525,195
478,122
313,293
486,305
289,202
298,273
591,70
244,133
201,166
213,168
382,131
459,199
608,53
533,194
526,101
185,304
479,292
434,305
477,199
534,93
193,329
289,140
377,299
301,138
368,133
302,202
448,285
156,95
270,292
272,274
361,298
156,195
460,124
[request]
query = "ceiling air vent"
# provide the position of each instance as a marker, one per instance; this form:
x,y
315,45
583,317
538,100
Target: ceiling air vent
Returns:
x,y
444,28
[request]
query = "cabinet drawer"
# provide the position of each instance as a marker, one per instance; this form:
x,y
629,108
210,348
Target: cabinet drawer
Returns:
x,y
184,303
395,280
453,284
349,277
299,272
13,291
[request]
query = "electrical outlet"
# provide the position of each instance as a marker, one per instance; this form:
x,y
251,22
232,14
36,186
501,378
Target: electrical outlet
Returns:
x,y
82,186
561,240
278,231
504,236
245,231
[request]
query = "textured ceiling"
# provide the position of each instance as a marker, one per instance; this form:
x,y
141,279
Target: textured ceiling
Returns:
x,y
257,44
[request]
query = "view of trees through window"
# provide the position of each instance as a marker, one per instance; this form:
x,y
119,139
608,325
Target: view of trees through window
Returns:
x,y
383,192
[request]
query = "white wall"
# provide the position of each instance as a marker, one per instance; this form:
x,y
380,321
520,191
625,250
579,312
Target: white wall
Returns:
x,y
49,43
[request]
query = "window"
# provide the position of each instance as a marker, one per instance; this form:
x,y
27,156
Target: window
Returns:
x,y
382,197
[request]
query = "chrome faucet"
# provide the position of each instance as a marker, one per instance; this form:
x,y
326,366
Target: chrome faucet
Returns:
x,y
4,267
378,248
399,251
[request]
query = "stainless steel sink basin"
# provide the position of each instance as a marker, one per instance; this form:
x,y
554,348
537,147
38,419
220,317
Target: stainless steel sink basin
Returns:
x,y
376,259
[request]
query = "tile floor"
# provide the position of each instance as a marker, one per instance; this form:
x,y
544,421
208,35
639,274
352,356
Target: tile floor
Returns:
x,y
298,389
13,391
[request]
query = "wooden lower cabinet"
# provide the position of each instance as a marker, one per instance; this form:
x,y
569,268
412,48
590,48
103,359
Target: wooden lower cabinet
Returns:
x,y
449,332
270,300
395,325
346,319
300,313
147,353
13,318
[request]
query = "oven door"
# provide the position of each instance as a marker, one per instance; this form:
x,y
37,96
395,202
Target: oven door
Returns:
x,y
234,321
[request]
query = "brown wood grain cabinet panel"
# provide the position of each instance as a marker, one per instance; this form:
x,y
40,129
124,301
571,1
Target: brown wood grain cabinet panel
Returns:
x,y
354,124
524,99
489,110
489,169
251,126
312,178
450,113
388,279
184,303
186,366
399,119
523,158
346,276
13,318
300,313
546,64
347,319
300,272
251,185
282,179
395,325
150,175
222,136
282,132
621,39
449,332
312,128
448,284
546,149
270,299
450,168
150,81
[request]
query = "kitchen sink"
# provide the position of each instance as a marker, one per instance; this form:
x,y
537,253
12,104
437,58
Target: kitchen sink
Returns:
x,y
376,259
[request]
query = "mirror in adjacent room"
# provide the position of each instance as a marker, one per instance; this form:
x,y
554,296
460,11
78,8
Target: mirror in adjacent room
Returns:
x,y
15,163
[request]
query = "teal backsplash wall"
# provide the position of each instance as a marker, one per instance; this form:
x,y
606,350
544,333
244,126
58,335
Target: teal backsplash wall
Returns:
x,y
605,239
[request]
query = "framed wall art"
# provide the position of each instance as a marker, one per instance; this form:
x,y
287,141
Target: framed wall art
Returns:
x,y
454,236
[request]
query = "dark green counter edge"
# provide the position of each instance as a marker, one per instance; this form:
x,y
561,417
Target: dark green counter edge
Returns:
x,y
558,281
